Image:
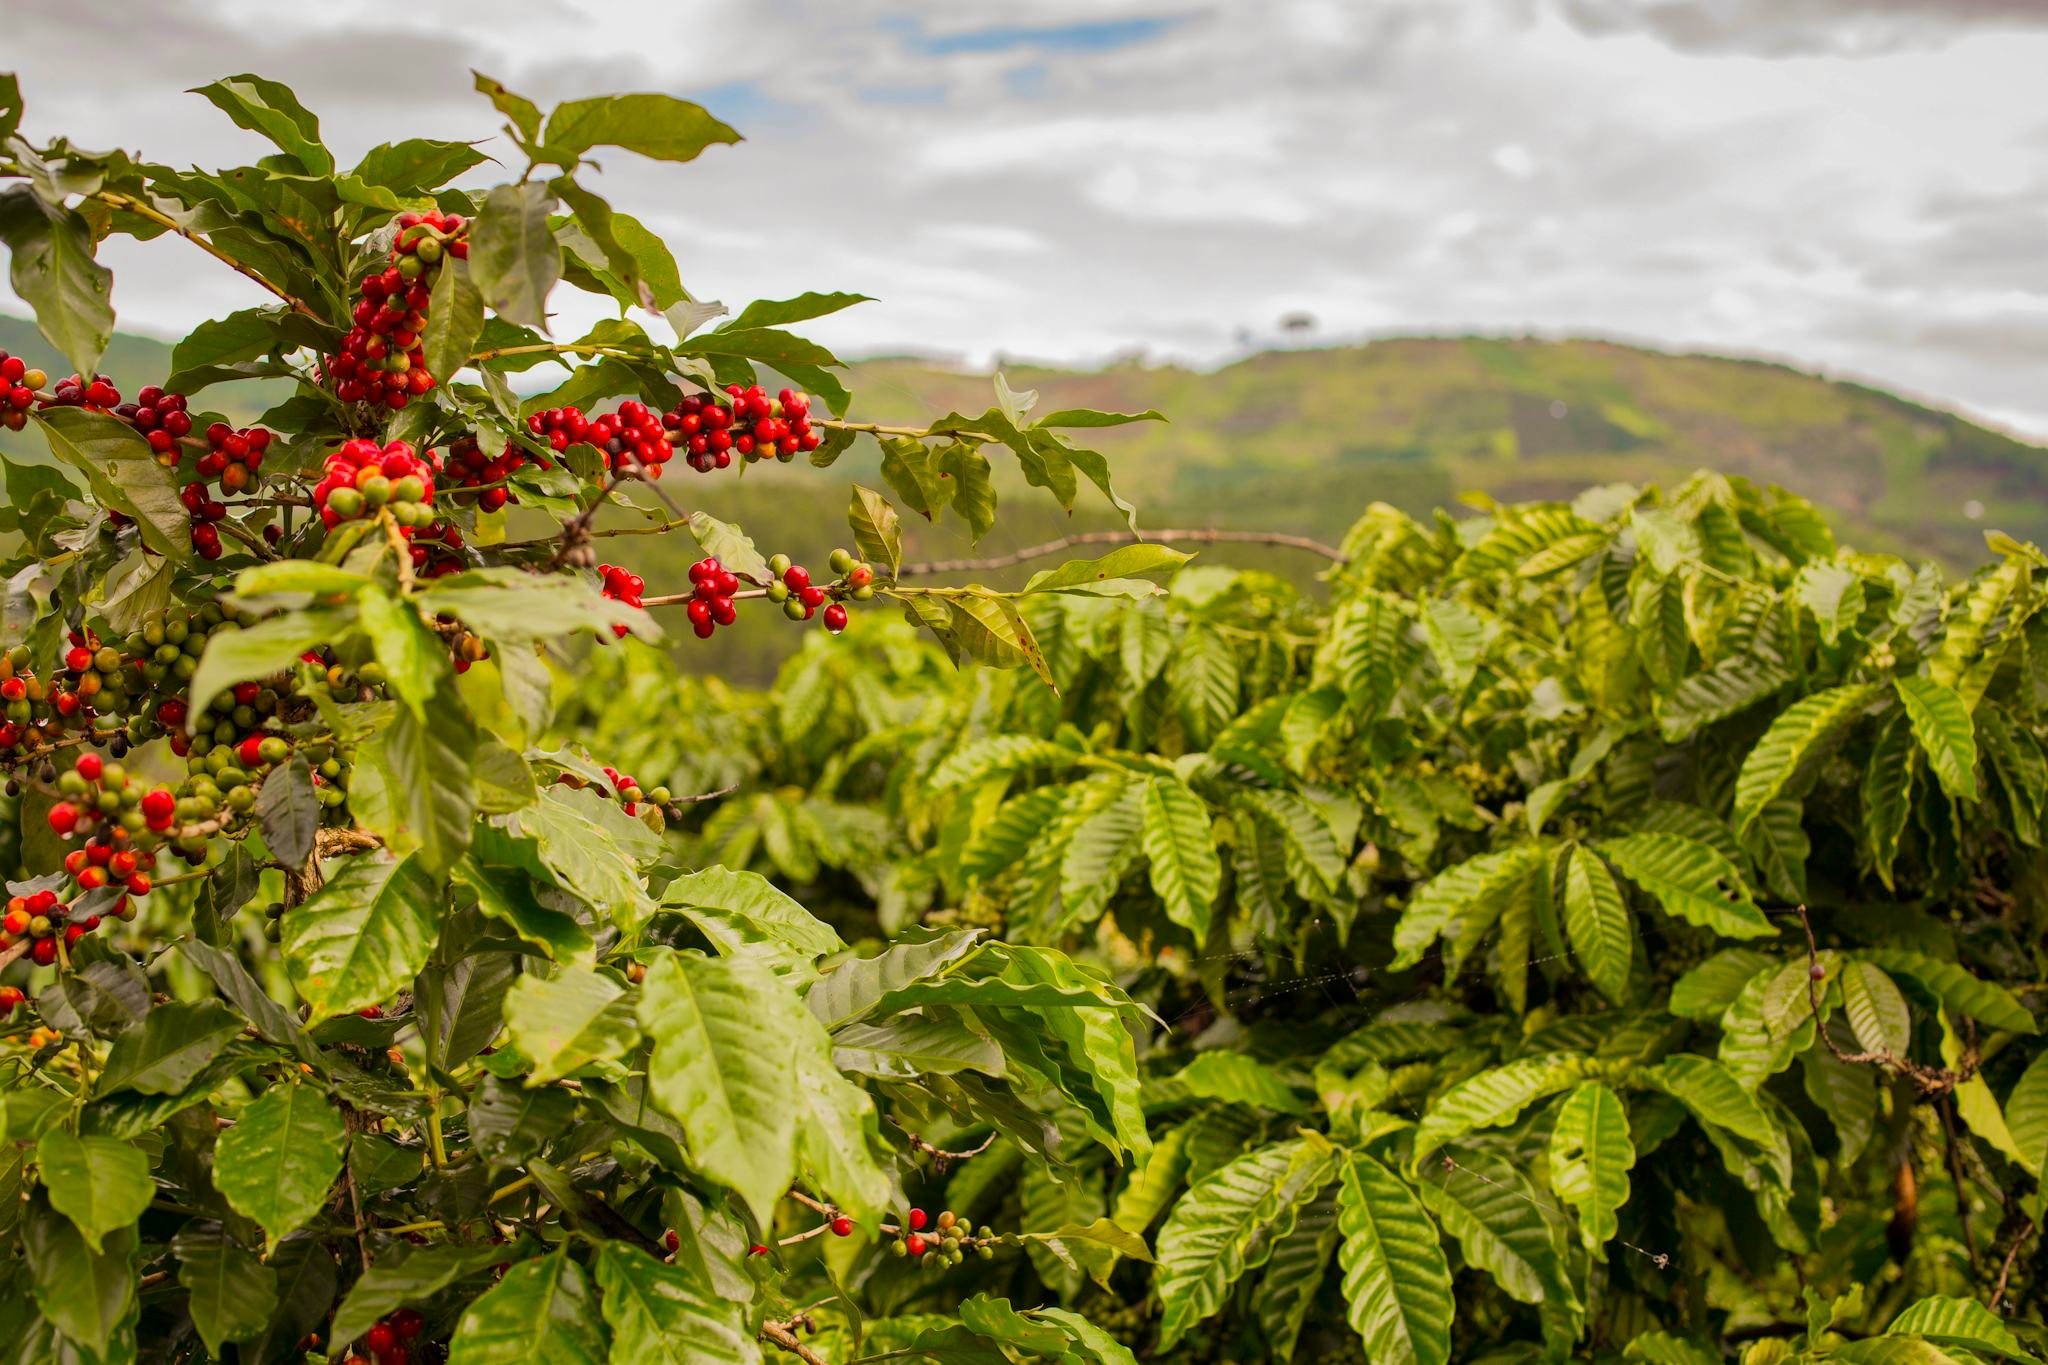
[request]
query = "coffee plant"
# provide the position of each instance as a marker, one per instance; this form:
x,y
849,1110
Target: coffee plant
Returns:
x,y
1597,930
356,1008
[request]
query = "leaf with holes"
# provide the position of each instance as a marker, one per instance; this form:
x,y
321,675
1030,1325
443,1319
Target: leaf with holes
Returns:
x,y
1590,1157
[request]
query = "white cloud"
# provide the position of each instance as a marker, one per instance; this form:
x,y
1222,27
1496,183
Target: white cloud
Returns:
x,y
1863,187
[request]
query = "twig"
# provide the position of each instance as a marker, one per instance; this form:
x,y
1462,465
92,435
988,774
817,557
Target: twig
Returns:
x,y
703,796
355,1198
551,348
1198,536
400,548
261,550
1932,1081
1946,1108
660,530
942,1155
114,199
2011,1254
777,1334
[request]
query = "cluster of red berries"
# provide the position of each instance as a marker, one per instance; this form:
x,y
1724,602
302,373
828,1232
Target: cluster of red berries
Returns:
x,y
755,426
163,420
801,598
385,1342
621,585
466,466
363,477
631,793
233,456
98,792
712,586
381,360
437,549
95,668
18,385
73,391
630,438
32,710
207,514
38,918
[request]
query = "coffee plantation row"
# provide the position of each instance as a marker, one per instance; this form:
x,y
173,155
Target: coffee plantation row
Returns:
x,y
1598,930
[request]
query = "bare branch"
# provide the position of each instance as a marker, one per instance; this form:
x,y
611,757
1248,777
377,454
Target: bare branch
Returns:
x,y
1198,536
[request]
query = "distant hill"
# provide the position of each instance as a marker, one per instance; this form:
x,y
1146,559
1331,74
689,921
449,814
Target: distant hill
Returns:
x,y
1303,439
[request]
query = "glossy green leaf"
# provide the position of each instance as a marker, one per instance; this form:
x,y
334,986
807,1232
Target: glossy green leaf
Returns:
x,y
99,1183
1493,1097
85,1294
1876,1010
1598,922
1233,1076
363,935
1397,1284
514,260
1966,1323
717,897
1805,730
231,1293
1186,873
270,108
171,1046
724,1067
1959,990
542,1312
1941,722
568,1021
279,1160
124,475
657,126
1229,1221
1692,881
665,1315
53,272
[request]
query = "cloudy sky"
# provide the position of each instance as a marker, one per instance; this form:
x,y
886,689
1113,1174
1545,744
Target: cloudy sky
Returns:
x,y
1858,186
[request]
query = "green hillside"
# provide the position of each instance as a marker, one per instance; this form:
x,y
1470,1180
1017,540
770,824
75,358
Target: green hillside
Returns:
x,y
1302,439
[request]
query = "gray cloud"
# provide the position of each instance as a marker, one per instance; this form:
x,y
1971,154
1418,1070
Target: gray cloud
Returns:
x,y
1804,27
1073,178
